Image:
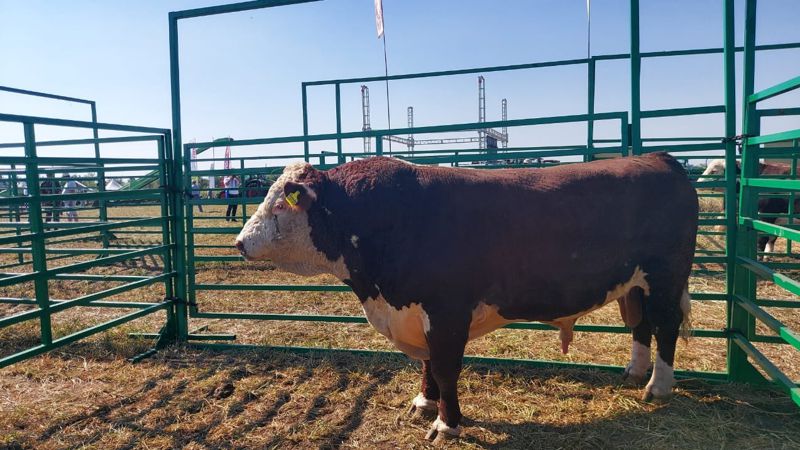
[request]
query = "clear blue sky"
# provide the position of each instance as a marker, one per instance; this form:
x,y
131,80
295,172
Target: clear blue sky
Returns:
x,y
241,72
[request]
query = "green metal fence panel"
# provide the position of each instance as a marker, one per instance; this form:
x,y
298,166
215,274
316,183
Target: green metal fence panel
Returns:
x,y
58,241
744,310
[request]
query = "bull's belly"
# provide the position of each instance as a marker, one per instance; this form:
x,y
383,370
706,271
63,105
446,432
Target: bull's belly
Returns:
x,y
407,327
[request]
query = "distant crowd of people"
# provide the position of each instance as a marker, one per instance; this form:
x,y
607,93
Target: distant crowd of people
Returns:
x,y
231,186
52,186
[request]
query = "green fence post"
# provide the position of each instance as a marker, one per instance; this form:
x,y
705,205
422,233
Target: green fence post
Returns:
x,y
14,214
38,240
589,156
636,72
739,320
339,155
101,179
306,151
175,182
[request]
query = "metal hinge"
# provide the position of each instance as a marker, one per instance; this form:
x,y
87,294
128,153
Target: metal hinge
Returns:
x,y
738,139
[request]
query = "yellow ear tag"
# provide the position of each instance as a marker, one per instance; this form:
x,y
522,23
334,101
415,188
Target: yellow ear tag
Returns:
x,y
291,199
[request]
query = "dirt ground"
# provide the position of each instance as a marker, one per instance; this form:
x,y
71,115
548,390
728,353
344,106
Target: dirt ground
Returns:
x,y
87,395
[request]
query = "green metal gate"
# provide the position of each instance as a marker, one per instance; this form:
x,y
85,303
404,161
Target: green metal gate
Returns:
x,y
191,242
746,308
60,232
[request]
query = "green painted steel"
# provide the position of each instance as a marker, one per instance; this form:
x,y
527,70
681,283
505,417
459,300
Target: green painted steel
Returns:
x,y
744,308
32,241
39,237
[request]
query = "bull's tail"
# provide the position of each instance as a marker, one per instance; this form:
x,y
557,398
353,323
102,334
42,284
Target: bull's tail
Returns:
x,y
686,308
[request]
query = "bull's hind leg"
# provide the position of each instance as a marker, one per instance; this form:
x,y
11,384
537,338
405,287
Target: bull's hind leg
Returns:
x,y
632,310
426,402
667,318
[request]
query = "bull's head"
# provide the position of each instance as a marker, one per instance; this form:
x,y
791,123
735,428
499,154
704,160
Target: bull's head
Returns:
x,y
279,230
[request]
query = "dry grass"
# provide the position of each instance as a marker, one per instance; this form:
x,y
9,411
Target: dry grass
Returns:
x,y
88,396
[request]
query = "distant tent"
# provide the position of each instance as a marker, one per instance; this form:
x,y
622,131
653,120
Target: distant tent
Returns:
x,y
113,185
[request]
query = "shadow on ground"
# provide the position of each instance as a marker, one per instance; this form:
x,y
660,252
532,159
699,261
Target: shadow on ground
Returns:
x,y
189,398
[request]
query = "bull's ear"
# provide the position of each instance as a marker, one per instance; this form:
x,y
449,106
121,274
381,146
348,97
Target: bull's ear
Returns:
x,y
298,195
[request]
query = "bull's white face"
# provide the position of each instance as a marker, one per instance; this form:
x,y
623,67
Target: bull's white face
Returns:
x,y
280,232
715,167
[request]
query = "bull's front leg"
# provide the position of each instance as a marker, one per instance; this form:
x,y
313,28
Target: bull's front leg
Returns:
x,y
426,402
447,339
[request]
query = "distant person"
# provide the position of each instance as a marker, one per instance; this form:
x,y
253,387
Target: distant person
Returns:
x,y
196,194
51,186
231,183
70,187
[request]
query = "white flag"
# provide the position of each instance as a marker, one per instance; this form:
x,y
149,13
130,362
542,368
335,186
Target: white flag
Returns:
x,y
194,158
379,17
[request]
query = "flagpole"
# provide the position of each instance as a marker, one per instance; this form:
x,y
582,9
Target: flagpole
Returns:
x,y
386,74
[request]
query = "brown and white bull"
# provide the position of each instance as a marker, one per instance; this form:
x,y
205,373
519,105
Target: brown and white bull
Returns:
x,y
766,205
439,256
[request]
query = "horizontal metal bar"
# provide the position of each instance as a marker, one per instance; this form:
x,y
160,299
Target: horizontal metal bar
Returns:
x,y
470,126
16,279
85,299
272,287
97,304
774,137
659,54
764,183
231,8
215,230
291,317
770,303
11,359
79,124
70,251
775,230
203,258
780,88
712,376
766,273
46,95
673,112
361,319
789,336
685,147
92,277
778,112
771,369
105,261
110,140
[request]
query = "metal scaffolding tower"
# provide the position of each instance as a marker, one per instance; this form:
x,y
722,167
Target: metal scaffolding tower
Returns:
x,y
484,134
365,117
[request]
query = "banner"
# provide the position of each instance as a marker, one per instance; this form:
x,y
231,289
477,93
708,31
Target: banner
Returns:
x,y
227,158
194,159
379,17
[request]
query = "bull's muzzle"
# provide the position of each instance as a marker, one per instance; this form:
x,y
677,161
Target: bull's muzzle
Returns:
x,y
240,246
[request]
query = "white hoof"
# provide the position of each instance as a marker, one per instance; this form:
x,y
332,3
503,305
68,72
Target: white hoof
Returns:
x,y
423,406
439,430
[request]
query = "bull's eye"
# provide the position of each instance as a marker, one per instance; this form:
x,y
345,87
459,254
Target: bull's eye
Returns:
x,y
279,207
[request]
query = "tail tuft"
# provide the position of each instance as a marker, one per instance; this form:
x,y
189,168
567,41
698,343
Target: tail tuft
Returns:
x,y
686,308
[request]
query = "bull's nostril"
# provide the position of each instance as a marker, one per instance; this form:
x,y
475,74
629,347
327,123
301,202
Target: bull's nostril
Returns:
x,y
240,246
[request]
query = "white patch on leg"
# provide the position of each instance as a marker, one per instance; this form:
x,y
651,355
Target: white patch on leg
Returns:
x,y
421,402
640,361
770,247
660,385
442,427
